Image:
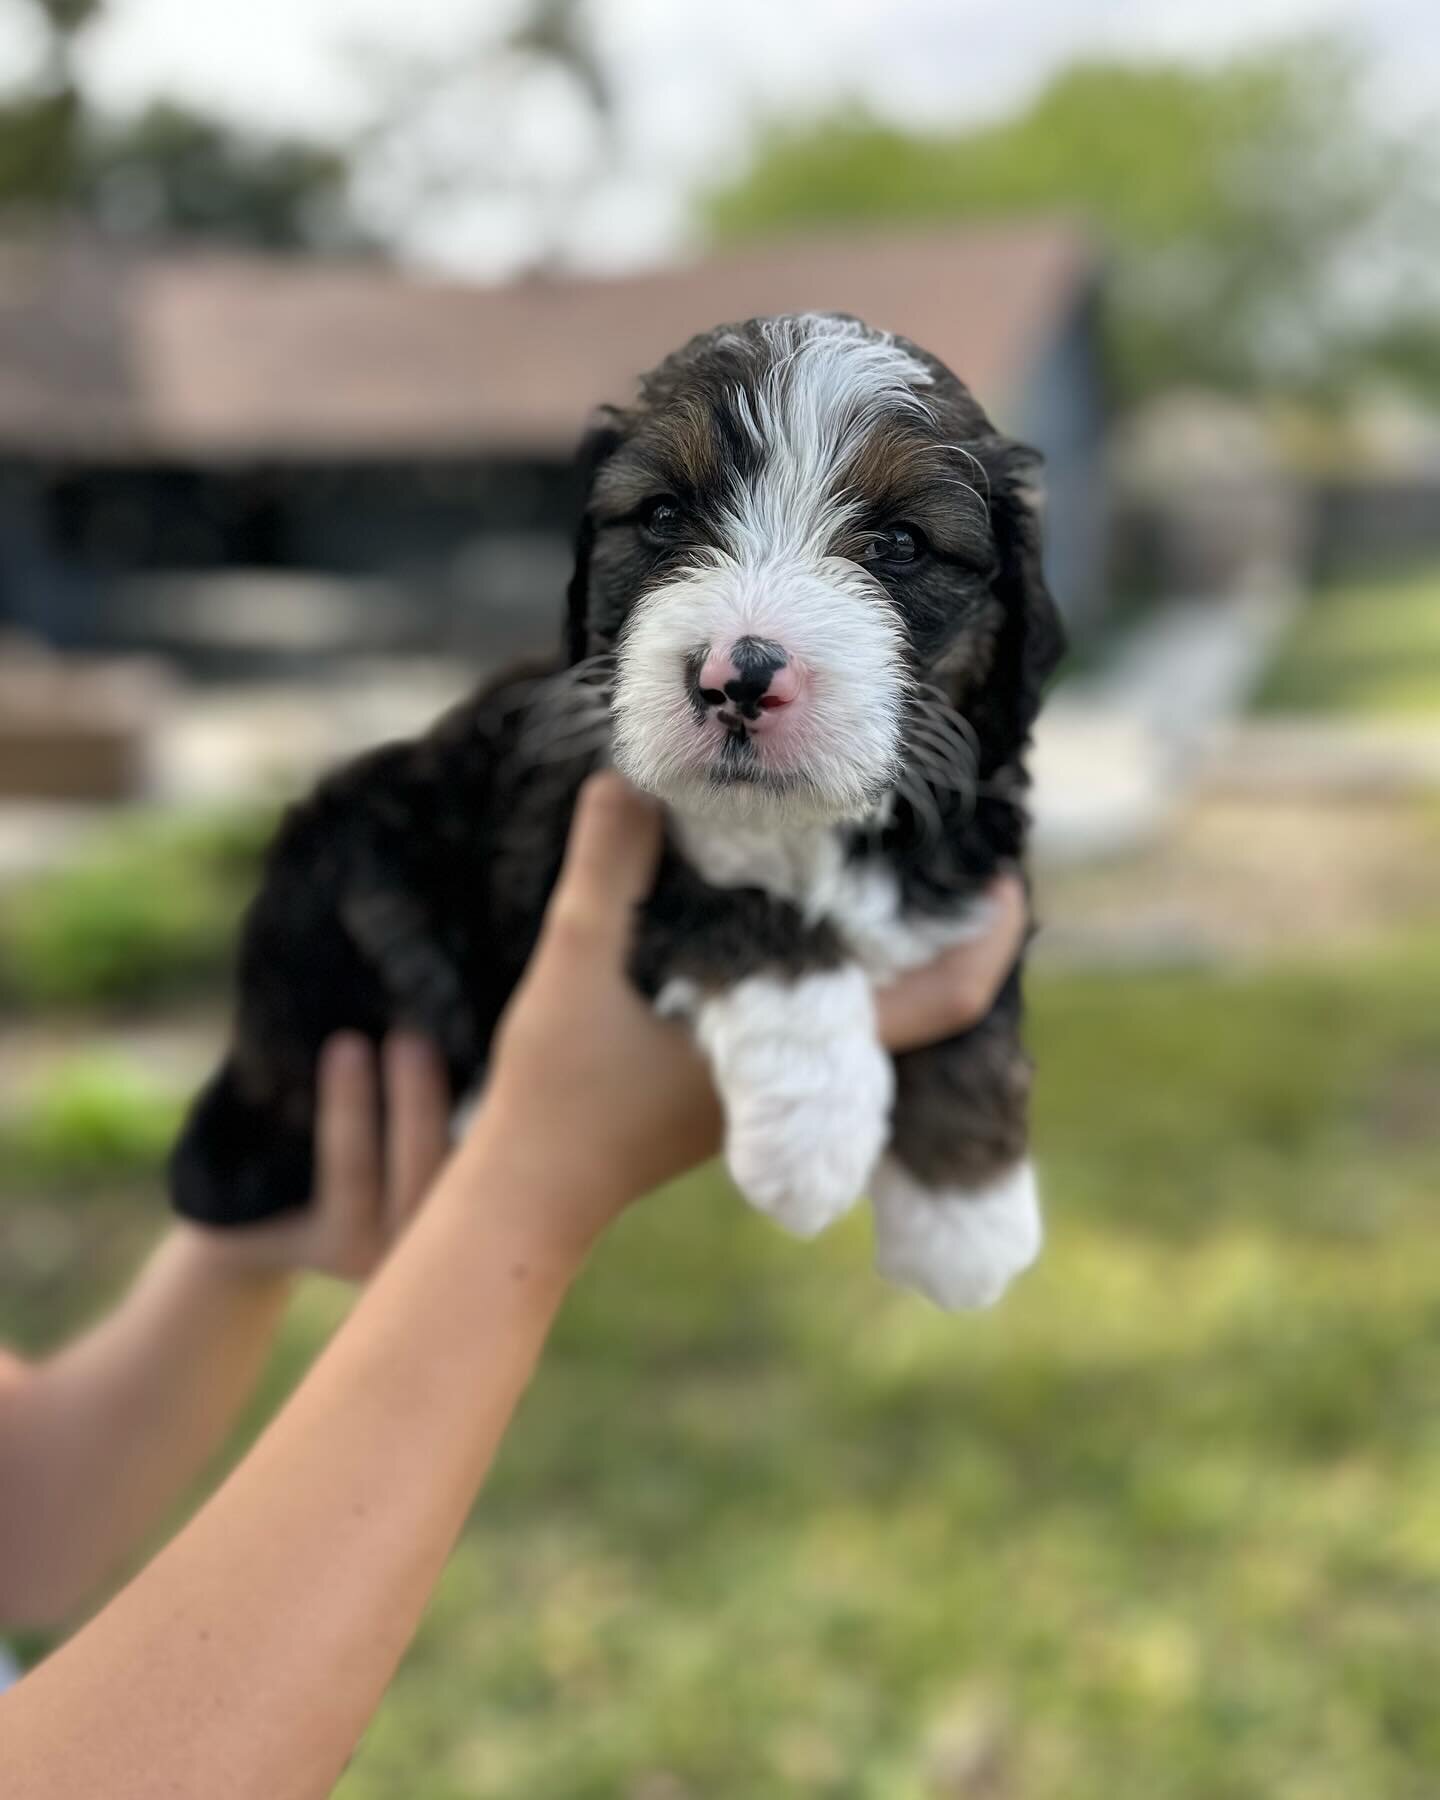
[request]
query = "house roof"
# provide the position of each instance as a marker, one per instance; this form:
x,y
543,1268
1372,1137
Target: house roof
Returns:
x,y
203,355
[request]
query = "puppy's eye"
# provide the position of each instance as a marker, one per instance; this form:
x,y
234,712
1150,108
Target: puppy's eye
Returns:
x,y
661,519
896,545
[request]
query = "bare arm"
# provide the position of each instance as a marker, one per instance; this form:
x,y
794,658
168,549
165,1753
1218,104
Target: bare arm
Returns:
x,y
247,1659
100,1440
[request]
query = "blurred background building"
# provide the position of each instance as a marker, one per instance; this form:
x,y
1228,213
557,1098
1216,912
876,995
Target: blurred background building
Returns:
x,y
173,415
303,309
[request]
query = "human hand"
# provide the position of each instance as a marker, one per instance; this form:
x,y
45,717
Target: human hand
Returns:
x,y
368,1181
593,1100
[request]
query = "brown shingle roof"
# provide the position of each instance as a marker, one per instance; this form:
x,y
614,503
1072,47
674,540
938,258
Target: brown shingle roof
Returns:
x,y
64,378
202,354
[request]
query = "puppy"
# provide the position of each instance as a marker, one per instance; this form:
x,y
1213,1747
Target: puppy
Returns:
x,y
808,614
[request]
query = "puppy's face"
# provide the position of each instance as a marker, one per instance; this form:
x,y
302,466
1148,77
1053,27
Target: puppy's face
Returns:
x,y
801,527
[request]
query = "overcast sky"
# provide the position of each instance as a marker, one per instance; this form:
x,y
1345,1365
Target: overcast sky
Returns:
x,y
692,74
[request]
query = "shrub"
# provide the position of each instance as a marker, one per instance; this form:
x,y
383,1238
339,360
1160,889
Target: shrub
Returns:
x,y
94,1119
147,915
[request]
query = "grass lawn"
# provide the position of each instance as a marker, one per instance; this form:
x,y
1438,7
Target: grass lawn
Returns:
x,y
1369,647
1165,1525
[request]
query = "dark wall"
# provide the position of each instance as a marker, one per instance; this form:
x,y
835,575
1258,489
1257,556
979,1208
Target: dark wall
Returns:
x,y
1063,414
43,590
476,544
73,538
1357,525
363,518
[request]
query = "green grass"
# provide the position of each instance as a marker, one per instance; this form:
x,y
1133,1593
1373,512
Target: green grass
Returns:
x,y
1368,648
145,916
1164,1526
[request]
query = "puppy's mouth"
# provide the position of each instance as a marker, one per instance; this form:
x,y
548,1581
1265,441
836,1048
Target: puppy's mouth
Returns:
x,y
738,763
743,745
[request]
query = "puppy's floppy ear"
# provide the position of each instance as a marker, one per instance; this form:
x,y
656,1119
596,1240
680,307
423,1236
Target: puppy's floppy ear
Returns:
x,y
599,444
1033,635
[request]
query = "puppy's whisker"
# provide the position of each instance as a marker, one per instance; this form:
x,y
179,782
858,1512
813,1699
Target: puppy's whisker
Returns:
x,y
916,795
547,755
936,706
943,753
560,727
938,732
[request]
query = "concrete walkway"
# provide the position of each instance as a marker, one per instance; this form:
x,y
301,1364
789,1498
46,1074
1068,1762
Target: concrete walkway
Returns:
x,y
1117,750
216,745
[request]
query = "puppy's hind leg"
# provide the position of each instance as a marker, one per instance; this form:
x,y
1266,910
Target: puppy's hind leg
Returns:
x,y
957,1214
960,1247
239,1160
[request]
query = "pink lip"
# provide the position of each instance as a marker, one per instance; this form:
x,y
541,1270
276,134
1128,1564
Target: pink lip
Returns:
x,y
784,687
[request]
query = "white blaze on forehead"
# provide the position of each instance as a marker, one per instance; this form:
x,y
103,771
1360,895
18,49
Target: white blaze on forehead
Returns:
x,y
832,382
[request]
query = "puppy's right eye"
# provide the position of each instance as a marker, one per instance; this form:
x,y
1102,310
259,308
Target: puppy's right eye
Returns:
x,y
661,519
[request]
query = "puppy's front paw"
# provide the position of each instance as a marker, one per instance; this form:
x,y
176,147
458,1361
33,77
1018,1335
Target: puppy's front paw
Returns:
x,y
961,1248
806,1089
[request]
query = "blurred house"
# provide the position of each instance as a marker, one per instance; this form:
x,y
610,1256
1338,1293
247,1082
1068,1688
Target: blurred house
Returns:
x,y
1215,493
1377,493
210,450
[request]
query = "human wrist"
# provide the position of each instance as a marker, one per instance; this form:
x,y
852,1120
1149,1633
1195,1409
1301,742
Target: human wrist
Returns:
x,y
224,1258
551,1203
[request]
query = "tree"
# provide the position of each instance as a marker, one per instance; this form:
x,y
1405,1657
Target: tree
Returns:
x,y
173,173
169,172
38,151
64,21
512,134
40,131
1237,204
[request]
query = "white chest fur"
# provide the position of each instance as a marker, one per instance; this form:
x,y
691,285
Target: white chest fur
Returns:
x,y
808,867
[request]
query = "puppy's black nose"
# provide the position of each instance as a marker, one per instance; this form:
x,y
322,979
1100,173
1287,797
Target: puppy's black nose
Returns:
x,y
744,675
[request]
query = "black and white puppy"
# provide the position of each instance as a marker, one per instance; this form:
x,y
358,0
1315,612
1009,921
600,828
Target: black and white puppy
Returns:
x,y
808,614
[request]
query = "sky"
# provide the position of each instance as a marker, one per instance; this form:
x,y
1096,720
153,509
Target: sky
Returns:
x,y
691,75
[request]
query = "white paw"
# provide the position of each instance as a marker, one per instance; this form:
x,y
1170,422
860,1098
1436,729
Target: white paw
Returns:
x,y
806,1090
959,1248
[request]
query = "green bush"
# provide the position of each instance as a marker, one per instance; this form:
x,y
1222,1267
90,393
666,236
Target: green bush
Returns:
x,y
96,1119
147,915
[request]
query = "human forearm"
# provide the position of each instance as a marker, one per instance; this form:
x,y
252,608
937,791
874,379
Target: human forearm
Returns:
x,y
98,1442
248,1657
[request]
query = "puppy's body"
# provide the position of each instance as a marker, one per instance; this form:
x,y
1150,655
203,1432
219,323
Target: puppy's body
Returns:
x,y
837,724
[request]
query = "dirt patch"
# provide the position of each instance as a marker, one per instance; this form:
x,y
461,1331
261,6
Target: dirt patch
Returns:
x,y
1252,876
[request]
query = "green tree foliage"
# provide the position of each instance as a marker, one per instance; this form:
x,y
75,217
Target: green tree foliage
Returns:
x,y
168,172
66,17
41,127
63,22
1236,203
39,160
172,173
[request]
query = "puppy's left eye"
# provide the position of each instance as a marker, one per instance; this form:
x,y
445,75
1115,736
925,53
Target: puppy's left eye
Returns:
x,y
661,519
896,545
